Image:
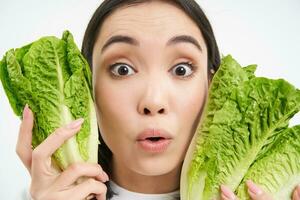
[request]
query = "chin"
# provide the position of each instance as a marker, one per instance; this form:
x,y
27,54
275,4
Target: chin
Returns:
x,y
156,167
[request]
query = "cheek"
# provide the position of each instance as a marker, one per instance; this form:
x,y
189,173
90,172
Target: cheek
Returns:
x,y
109,102
114,108
190,106
110,108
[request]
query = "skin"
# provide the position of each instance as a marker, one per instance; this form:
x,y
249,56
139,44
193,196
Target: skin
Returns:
x,y
172,103
150,84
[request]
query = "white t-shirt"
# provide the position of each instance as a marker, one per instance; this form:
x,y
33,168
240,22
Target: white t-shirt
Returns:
x,y
123,194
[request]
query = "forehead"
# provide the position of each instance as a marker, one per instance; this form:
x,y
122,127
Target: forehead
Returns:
x,y
154,20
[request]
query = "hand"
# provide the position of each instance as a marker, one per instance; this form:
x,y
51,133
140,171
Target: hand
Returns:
x,y
46,181
255,192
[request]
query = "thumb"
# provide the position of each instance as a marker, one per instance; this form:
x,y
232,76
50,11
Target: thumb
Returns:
x,y
256,193
24,148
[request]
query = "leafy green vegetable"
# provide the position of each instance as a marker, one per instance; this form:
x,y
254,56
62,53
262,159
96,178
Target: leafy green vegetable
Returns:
x,y
54,79
243,123
279,166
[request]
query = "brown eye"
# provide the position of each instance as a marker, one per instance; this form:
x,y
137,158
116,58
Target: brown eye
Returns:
x,y
183,69
121,69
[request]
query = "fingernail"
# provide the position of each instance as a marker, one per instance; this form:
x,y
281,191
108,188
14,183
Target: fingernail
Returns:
x,y
25,111
254,189
298,191
227,193
106,176
75,124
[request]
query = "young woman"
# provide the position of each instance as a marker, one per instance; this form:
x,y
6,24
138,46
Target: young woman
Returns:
x,y
152,62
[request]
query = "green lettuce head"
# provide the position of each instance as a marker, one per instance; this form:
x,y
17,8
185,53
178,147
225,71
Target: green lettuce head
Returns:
x,y
54,79
243,134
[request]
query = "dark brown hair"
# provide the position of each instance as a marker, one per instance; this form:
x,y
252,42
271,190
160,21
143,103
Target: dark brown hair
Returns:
x,y
190,7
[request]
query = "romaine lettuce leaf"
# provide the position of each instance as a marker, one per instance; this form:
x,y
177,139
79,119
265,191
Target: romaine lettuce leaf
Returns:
x,y
54,79
244,114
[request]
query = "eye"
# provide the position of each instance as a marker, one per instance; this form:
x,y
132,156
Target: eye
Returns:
x,y
184,69
121,69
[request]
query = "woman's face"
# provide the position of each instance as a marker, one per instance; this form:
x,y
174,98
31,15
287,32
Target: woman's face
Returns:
x,y
152,81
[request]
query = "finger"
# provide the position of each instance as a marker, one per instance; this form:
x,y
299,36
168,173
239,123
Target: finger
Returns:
x,y
256,193
296,193
103,177
43,152
75,171
227,194
101,196
91,196
88,187
23,147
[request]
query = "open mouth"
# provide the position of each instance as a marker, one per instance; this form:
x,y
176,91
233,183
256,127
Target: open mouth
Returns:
x,y
154,144
155,139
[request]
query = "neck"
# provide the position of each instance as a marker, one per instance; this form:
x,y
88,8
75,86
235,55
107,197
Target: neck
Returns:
x,y
135,182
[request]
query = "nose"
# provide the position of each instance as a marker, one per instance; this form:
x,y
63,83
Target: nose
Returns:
x,y
154,99
148,111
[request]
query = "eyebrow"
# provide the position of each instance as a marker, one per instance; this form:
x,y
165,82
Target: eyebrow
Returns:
x,y
184,39
132,41
120,39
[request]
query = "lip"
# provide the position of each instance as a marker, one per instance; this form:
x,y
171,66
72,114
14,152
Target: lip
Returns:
x,y
154,146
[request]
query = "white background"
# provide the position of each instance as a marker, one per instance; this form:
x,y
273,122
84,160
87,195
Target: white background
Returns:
x,y
263,32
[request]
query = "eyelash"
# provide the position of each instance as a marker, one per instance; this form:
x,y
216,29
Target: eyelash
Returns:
x,y
188,63
192,66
